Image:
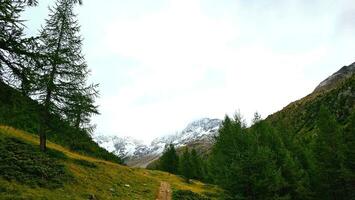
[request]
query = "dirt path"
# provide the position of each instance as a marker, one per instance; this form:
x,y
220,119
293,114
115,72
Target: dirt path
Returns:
x,y
164,191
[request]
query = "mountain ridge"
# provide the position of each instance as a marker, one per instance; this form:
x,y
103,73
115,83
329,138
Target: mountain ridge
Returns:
x,y
135,151
343,73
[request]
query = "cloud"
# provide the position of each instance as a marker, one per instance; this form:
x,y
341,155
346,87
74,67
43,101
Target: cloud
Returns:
x,y
163,63
187,62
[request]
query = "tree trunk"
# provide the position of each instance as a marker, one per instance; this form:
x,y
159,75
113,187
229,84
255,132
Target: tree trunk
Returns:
x,y
78,120
43,131
42,140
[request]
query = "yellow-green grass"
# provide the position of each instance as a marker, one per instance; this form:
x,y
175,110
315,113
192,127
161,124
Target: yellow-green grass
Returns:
x,y
106,181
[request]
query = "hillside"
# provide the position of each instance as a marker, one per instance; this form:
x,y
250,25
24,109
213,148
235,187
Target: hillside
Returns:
x,y
337,93
27,173
24,113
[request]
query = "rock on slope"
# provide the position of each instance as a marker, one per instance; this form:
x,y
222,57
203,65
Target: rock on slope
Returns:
x,y
344,73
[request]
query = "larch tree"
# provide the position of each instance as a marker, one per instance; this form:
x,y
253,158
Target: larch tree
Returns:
x,y
17,52
63,74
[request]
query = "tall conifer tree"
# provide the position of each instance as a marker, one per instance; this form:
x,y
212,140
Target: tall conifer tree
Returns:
x,y
169,161
329,153
186,165
17,52
63,75
196,164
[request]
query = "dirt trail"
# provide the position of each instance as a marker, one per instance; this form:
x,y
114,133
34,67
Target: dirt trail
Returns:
x,y
164,191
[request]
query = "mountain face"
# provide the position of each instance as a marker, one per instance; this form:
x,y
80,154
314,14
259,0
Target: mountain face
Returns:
x,y
140,155
121,146
330,82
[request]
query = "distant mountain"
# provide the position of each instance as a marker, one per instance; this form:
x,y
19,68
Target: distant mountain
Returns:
x,y
140,155
121,146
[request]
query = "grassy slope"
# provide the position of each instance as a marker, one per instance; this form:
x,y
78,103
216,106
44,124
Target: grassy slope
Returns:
x,y
24,113
106,181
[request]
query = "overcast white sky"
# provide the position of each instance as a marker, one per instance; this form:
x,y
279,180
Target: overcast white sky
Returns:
x,y
163,63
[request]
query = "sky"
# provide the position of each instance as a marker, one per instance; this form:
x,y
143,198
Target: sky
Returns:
x,y
164,63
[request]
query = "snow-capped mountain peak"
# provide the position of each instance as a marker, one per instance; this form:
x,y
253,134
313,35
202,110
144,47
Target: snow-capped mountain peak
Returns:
x,y
133,149
121,146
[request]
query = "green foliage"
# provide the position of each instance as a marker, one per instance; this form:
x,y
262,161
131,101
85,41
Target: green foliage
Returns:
x,y
254,163
189,164
24,163
187,195
169,161
262,162
330,158
196,165
16,51
185,166
349,162
305,151
52,66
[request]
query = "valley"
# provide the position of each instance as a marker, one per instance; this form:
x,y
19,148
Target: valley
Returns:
x,y
72,72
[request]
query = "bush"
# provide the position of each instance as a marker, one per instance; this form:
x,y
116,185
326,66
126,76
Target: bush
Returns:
x,y
84,163
26,164
187,195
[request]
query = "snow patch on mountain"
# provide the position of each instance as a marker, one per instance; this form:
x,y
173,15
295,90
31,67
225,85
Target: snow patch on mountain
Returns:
x,y
132,149
121,146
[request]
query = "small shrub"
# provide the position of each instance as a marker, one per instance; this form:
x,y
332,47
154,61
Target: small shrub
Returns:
x,y
84,163
187,195
26,164
56,154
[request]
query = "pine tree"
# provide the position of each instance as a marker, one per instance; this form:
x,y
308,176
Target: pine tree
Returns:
x,y
62,77
229,146
196,165
329,153
186,165
169,161
349,172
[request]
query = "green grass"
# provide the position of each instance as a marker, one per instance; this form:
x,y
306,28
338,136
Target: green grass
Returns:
x,y
187,195
69,175
84,163
25,164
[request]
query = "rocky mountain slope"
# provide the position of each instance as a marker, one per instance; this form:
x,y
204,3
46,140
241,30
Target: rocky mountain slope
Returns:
x,y
336,92
344,73
140,155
